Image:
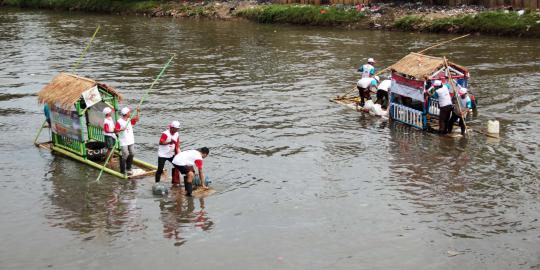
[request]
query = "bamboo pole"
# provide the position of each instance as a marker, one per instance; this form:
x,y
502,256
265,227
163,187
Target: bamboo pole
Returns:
x,y
444,42
39,132
76,65
138,107
422,51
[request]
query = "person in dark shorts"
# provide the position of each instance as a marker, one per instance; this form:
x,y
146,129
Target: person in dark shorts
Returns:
x,y
169,146
108,131
186,162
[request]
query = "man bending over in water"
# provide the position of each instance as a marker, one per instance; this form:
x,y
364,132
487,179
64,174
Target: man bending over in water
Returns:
x,y
185,161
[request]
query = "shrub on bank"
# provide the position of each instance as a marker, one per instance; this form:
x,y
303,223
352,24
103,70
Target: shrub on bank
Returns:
x,y
301,14
489,22
88,5
493,22
408,23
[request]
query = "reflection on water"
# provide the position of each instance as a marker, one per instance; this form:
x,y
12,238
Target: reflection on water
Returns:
x,y
178,214
84,206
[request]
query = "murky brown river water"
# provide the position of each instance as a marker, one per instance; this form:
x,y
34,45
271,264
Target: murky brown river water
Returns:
x,y
302,183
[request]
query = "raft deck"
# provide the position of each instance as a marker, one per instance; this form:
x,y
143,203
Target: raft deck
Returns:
x,y
142,168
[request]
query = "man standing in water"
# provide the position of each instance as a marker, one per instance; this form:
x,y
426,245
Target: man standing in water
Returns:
x,y
442,94
185,161
169,146
124,126
465,105
367,70
108,131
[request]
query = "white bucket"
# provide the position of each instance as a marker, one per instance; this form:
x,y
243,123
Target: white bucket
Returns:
x,y
493,127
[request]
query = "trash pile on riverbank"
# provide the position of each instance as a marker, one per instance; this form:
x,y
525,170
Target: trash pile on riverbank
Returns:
x,y
389,16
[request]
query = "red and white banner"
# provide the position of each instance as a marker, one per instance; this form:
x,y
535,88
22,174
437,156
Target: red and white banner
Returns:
x,y
409,88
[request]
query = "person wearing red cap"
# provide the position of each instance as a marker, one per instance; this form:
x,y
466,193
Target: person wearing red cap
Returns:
x,y
124,128
108,131
169,146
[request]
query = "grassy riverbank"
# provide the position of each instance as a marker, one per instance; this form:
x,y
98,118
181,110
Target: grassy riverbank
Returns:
x,y
302,14
404,17
489,22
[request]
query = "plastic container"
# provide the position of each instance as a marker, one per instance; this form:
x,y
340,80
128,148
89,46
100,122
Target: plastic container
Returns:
x,y
493,126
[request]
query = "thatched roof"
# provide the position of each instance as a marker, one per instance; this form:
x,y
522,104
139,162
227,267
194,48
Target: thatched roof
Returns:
x,y
65,89
421,65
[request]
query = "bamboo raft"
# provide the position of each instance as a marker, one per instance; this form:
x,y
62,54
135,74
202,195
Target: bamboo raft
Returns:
x,y
75,106
352,103
143,168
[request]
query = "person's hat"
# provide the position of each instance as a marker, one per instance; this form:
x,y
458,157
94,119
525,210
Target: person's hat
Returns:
x,y
124,111
175,124
377,78
463,91
107,110
370,60
437,83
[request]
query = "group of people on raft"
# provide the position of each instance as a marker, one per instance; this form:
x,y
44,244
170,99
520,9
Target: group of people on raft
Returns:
x,y
448,113
168,148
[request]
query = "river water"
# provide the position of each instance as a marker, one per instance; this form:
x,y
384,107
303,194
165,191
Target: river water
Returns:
x,y
301,182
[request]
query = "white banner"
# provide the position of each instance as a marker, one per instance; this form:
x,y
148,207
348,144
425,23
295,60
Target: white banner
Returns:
x,y
407,91
91,96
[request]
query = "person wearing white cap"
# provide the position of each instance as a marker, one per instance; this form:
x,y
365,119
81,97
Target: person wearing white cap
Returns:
x,y
465,105
367,70
169,146
124,128
108,130
442,94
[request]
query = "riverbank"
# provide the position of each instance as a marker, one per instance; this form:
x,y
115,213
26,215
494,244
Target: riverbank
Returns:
x,y
403,17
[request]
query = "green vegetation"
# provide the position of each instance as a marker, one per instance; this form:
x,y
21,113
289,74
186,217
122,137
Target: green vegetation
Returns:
x,y
302,14
408,23
489,22
87,5
130,6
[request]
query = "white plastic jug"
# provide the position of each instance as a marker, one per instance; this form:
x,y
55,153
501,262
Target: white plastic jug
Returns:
x,y
493,127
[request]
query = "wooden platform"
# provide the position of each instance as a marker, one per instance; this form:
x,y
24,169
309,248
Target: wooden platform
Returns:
x,y
140,169
196,193
351,103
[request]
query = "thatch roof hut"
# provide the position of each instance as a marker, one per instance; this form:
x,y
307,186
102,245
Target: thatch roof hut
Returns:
x,y
65,89
421,65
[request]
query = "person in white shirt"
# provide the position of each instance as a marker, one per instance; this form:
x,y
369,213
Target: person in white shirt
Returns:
x,y
186,161
442,94
382,93
364,87
465,105
169,146
108,131
124,128
367,70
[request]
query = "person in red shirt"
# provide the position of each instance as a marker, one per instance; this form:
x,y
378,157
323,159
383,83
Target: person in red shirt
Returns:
x,y
124,128
108,131
169,146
